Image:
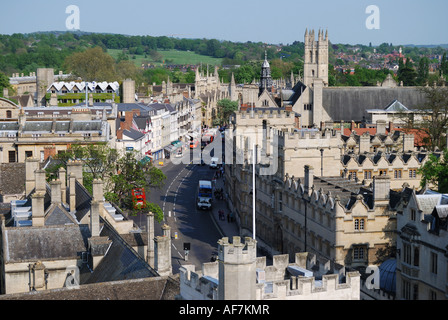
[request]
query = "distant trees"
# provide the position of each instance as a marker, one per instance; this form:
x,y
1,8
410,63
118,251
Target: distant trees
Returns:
x,y
406,73
92,65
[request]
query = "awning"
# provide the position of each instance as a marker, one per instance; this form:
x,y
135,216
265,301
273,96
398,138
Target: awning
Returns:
x,y
171,149
145,160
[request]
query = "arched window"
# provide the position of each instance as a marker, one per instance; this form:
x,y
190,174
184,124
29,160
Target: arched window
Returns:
x,y
311,56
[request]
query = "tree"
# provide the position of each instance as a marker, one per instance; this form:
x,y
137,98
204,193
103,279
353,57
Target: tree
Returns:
x,y
225,108
407,73
435,171
431,119
4,83
423,71
92,65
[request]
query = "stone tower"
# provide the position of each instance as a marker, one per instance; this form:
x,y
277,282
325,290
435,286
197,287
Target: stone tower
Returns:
x,y
128,91
44,79
265,78
237,269
316,57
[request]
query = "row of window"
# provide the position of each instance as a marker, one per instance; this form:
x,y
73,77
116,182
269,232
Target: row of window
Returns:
x,y
411,256
410,291
368,174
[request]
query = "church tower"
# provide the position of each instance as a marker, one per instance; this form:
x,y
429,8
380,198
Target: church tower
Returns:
x,y
316,57
265,79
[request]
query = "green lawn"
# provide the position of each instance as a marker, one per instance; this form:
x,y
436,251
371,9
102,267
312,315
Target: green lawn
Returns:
x,y
177,57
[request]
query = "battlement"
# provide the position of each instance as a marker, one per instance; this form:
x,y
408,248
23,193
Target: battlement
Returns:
x,y
308,277
261,113
237,252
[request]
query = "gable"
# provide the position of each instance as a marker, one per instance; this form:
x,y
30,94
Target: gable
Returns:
x,y
265,100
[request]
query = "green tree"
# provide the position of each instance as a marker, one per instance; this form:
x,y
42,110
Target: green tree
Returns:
x,y
431,118
407,73
435,171
225,108
4,83
92,65
423,71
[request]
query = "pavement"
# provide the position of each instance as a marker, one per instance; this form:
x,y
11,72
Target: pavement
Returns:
x,y
226,225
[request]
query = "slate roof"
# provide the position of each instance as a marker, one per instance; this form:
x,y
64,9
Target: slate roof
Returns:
x,y
44,243
133,134
158,288
352,103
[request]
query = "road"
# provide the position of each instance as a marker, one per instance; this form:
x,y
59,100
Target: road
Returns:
x,y
188,225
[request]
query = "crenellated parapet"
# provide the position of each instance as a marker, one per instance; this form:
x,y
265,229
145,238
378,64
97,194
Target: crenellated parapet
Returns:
x,y
309,277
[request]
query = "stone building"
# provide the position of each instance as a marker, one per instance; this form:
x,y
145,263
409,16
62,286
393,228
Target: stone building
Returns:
x,y
43,132
422,246
239,274
61,236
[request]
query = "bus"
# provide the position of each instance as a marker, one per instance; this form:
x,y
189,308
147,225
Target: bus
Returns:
x,y
205,194
139,198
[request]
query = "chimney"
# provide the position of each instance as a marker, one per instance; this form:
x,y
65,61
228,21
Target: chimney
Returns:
x,y
364,143
72,190
381,127
97,190
150,227
63,178
95,218
37,209
31,165
408,142
56,194
162,259
40,180
391,127
309,178
75,168
381,189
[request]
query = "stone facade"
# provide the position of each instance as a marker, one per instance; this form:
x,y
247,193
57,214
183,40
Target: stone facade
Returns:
x,y
240,275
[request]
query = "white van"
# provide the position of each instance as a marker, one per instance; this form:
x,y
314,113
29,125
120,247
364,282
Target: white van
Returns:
x,y
214,163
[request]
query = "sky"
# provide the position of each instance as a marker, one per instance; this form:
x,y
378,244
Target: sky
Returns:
x,y
399,22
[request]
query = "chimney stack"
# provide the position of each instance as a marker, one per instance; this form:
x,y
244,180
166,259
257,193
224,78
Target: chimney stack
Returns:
x,y
38,209
150,227
63,178
95,218
56,194
31,165
40,180
381,189
98,193
364,143
381,127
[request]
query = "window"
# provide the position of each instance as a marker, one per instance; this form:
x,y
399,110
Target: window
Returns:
x,y
406,290
433,262
11,156
398,173
383,172
416,256
358,253
413,215
352,175
28,154
412,173
368,174
407,253
415,292
359,224
432,295
8,114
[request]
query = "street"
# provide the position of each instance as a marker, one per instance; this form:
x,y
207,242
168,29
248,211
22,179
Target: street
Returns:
x,y
188,224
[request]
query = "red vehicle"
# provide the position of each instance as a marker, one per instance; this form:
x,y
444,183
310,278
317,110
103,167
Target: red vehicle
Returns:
x,y
194,144
139,198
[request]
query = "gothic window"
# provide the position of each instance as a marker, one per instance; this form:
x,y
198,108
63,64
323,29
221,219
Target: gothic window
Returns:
x,y
311,59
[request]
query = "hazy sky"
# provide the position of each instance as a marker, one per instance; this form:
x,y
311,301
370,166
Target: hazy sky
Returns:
x,y
274,22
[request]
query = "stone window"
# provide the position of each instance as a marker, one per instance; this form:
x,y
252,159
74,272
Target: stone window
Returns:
x,y
412,173
398,173
359,224
359,253
368,174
